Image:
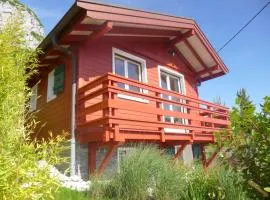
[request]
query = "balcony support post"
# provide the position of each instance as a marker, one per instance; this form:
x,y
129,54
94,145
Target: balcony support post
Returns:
x,y
207,163
106,136
159,106
203,157
162,135
111,149
180,151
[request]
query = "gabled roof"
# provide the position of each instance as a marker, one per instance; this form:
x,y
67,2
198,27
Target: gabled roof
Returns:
x,y
88,20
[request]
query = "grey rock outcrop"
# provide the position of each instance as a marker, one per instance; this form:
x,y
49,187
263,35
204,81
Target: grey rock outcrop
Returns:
x,y
31,25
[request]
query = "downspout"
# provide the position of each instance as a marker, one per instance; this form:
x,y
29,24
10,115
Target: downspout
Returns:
x,y
73,56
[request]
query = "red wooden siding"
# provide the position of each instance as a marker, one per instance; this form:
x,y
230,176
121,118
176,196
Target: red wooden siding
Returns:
x,y
96,60
54,115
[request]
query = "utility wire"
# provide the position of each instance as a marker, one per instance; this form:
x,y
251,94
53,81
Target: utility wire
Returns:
x,y
244,26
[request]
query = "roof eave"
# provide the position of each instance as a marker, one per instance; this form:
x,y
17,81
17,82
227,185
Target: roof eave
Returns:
x,y
60,26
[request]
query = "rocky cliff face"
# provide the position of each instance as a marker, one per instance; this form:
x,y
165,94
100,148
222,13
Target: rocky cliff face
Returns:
x,y
32,26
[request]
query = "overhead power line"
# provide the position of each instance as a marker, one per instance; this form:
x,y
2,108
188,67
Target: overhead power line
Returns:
x,y
244,26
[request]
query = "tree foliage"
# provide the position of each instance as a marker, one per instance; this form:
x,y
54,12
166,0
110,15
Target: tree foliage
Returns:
x,y
249,144
20,175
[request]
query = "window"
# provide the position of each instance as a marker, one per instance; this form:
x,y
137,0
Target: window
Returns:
x,y
56,82
33,98
50,92
173,81
129,66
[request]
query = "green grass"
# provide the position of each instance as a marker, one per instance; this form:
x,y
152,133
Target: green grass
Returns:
x,y
68,194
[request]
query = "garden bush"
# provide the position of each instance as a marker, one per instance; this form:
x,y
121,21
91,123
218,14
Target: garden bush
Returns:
x,y
147,173
20,176
248,146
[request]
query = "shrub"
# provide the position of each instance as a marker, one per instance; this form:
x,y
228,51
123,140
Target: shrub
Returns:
x,y
248,147
20,175
146,174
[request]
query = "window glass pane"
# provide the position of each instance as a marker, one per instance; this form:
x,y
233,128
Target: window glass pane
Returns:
x,y
134,71
121,85
176,108
167,119
119,66
135,89
166,106
33,98
174,84
178,120
165,96
50,92
173,98
163,81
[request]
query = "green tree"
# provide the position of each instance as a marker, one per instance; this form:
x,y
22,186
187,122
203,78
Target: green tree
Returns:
x,y
20,175
249,145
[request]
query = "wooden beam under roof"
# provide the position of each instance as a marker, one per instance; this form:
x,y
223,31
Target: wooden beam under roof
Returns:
x,y
213,76
86,27
186,62
143,32
182,37
196,55
215,67
104,28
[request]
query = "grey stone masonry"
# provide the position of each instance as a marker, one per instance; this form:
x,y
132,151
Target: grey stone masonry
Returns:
x,y
32,27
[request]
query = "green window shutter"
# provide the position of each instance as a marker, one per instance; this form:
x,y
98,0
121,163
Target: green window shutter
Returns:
x,y
59,79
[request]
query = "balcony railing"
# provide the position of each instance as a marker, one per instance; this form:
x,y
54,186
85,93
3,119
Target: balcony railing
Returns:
x,y
106,111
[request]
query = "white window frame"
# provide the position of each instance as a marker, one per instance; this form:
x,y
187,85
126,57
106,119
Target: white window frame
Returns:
x,y
50,85
33,98
182,89
143,74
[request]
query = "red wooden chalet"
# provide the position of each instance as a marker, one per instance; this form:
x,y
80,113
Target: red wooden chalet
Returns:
x,y
112,75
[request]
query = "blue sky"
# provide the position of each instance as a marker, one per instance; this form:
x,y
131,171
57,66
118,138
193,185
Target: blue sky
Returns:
x,y
247,57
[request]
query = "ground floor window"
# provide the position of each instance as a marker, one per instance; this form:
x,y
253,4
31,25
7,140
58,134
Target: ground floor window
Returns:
x,y
33,98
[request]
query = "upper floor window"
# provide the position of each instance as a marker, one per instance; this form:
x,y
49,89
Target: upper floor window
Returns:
x,y
129,66
173,81
56,82
33,98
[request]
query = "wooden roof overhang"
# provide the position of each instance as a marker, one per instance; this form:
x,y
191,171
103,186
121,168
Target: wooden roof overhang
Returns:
x,y
87,21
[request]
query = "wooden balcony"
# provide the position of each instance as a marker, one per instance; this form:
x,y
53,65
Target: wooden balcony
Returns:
x,y
107,112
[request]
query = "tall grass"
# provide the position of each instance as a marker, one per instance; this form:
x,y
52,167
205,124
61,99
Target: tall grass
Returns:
x,y
146,174
68,194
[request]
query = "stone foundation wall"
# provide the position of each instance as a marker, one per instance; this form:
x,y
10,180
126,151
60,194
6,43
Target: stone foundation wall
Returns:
x,y
82,160
113,165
